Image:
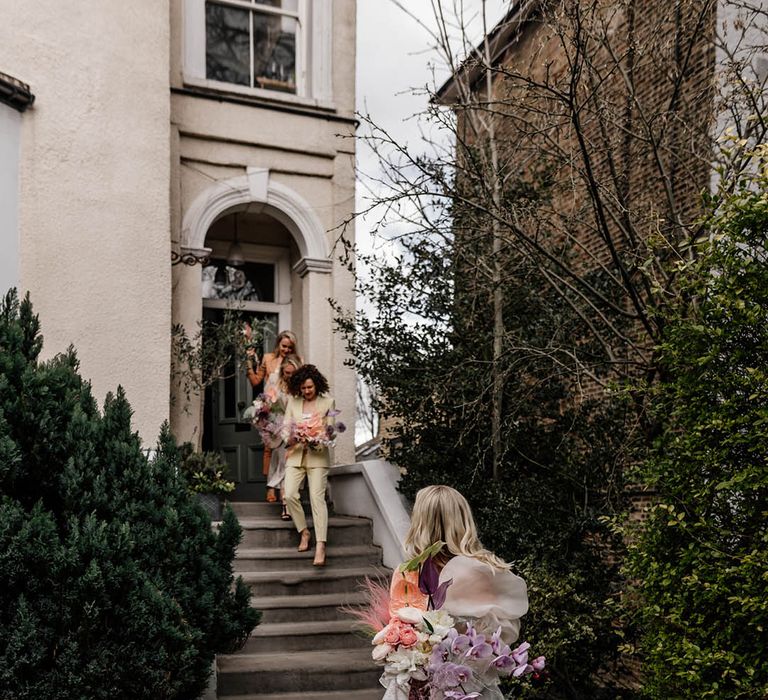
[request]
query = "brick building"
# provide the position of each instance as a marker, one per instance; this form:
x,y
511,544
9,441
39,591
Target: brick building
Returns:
x,y
612,111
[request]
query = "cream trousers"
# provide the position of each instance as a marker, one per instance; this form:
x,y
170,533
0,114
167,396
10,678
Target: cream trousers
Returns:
x,y
317,478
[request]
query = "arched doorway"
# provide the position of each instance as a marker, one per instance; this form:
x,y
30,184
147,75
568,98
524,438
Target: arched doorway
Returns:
x,y
248,276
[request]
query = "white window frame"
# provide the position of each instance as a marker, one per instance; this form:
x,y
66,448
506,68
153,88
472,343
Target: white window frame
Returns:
x,y
313,52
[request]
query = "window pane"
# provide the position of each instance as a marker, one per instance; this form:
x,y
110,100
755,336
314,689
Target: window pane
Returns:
x,y
274,52
287,5
251,282
227,57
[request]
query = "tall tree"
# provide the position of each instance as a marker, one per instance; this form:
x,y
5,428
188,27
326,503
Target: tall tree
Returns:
x,y
533,237
701,560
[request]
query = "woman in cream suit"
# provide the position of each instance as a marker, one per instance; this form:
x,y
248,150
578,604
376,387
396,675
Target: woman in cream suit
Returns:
x,y
309,406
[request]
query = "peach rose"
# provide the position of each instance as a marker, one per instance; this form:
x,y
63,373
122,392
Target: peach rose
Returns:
x,y
392,635
408,636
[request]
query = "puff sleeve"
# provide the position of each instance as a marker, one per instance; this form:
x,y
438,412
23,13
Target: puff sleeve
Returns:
x,y
495,598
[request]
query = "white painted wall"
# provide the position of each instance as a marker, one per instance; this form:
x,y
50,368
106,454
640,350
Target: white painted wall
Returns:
x,y
369,490
94,188
10,129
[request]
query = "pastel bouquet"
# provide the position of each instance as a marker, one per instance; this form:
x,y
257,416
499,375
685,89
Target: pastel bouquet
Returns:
x,y
316,431
266,415
427,654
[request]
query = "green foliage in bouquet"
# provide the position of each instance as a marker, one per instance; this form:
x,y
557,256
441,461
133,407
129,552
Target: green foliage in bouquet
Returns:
x,y
204,471
112,584
701,561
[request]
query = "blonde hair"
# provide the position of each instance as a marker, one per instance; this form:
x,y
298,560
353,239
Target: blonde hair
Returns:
x,y
293,360
291,336
441,513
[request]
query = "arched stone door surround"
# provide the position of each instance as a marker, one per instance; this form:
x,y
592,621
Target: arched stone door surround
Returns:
x,y
286,205
313,266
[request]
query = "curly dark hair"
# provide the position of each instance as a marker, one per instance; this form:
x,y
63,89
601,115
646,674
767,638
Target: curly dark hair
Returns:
x,y
307,372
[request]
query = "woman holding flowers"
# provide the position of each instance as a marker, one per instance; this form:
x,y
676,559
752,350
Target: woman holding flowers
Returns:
x,y
309,429
274,436
454,608
268,371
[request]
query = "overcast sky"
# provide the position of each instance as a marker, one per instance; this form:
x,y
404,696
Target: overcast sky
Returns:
x,y
394,56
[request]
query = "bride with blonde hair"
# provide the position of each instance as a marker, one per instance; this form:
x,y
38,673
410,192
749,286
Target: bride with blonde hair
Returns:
x,y
472,597
482,586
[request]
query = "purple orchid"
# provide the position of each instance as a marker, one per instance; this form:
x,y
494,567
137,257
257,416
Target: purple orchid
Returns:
x,y
459,695
496,641
459,643
480,649
520,655
504,663
472,633
539,663
523,670
450,675
429,584
438,656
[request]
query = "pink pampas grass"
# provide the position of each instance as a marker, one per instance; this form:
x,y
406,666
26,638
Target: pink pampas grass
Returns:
x,y
373,615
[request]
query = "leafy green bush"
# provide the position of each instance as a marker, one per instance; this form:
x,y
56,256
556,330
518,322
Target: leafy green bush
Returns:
x,y
701,561
204,471
112,584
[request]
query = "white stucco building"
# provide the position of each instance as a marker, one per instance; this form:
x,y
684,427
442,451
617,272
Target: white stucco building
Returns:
x,y
168,129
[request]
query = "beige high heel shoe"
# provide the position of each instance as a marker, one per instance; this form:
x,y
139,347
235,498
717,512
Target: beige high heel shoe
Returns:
x,y
319,554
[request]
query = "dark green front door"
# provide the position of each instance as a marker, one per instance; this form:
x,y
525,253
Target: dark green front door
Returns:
x,y
227,432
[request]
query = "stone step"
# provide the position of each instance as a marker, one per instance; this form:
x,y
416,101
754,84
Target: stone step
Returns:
x,y
309,580
262,533
309,608
286,558
259,509
297,672
305,636
357,694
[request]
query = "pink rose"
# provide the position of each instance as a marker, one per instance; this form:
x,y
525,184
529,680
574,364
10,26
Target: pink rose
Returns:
x,y
392,635
408,636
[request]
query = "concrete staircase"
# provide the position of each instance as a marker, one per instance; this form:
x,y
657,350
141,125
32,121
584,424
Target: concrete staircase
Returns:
x,y
304,648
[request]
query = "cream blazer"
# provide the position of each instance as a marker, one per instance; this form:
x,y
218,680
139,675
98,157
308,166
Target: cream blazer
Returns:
x,y
315,458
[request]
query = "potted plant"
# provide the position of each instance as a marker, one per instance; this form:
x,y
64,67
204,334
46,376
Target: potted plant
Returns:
x,y
204,473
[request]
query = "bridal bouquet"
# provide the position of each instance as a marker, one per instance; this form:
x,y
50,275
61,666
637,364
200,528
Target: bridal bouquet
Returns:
x,y
314,432
426,653
426,656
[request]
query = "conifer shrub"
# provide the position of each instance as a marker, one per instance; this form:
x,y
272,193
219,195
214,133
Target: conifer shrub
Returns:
x,y
112,582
